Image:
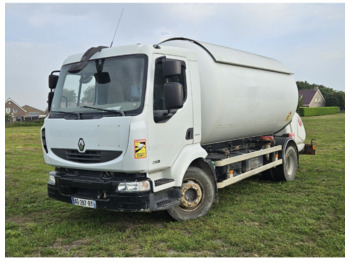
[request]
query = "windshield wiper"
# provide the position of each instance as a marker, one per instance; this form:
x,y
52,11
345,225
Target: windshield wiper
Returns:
x,y
106,110
69,113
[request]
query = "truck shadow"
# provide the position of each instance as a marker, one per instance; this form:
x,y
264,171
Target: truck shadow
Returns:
x,y
133,219
110,218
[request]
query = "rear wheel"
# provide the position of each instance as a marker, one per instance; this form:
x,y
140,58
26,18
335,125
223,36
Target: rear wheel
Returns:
x,y
197,195
287,171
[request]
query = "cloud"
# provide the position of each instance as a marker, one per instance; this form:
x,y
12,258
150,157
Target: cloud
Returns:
x,y
27,66
193,13
162,33
307,38
53,19
321,64
278,20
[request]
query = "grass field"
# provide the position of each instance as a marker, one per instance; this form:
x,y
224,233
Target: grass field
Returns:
x,y
253,218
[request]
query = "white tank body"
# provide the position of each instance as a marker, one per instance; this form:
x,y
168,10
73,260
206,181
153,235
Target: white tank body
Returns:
x,y
242,94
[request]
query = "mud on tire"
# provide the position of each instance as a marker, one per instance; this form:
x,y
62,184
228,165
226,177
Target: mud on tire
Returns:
x,y
197,195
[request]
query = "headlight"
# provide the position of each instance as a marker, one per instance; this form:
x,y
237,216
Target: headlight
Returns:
x,y
52,180
137,186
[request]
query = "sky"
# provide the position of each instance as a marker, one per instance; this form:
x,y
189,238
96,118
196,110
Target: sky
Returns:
x,y
308,38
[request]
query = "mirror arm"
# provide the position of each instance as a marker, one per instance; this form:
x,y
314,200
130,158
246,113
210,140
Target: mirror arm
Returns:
x,y
55,71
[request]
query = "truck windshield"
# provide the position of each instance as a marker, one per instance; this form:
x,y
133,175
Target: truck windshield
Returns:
x,y
104,86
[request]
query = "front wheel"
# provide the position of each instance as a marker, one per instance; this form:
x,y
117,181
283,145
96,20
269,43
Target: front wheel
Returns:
x,y
197,195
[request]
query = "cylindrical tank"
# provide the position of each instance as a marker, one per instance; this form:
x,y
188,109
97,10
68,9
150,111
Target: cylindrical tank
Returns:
x,y
242,94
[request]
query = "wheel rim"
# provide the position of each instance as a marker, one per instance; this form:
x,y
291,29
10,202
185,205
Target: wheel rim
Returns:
x,y
191,195
290,164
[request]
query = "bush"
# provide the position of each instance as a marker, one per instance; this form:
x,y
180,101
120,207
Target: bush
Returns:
x,y
18,124
318,111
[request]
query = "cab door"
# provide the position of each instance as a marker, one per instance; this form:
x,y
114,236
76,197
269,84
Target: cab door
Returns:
x,y
169,130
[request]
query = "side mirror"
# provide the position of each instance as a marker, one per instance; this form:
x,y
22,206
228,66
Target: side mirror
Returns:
x,y
53,79
49,100
174,95
171,68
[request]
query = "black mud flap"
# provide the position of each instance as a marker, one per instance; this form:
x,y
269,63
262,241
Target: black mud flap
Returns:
x,y
309,149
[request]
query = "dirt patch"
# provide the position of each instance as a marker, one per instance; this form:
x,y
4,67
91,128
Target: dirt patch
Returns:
x,y
20,220
23,220
66,248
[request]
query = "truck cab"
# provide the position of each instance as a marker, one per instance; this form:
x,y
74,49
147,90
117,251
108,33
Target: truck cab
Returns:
x,y
119,121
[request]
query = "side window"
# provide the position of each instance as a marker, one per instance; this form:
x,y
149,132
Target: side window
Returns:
x,y
160,113
158,91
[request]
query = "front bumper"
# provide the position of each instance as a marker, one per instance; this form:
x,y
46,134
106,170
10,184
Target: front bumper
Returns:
x,y
94,186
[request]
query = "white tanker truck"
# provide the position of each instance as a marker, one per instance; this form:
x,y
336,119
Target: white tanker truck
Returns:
x,y
163,127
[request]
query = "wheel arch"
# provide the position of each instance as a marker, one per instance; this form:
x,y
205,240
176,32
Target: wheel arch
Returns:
x,y
192,155
208,168
186,157
285,142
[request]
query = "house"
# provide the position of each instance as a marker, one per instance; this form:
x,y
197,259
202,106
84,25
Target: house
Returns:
x,y
32,111
22,113
312,97
11,107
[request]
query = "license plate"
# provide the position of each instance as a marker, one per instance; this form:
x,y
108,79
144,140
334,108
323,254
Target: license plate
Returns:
x,y
83,202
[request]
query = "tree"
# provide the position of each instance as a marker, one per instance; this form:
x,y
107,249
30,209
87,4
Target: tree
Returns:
x,y
341,99
300,103
304,85
69,97
89,95
332,100
8,117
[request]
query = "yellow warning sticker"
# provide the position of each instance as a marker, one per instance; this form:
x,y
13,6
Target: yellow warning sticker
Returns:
x,y
140,148
290,113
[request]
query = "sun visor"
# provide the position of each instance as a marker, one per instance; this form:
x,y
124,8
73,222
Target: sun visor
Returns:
x,y
76,68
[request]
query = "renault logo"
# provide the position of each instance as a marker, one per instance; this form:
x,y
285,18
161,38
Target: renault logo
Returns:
x,y
81,144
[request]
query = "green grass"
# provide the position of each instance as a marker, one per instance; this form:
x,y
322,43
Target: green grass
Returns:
x,y
253,218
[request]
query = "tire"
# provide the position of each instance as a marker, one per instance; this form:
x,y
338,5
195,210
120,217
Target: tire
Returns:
x,y
267,175
287,171
198,192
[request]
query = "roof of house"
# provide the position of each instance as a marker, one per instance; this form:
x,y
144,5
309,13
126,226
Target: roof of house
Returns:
x,y
26,109
308,95
10,100
30,108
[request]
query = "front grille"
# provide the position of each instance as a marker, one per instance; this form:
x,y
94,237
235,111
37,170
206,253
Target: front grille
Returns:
x,y
89,156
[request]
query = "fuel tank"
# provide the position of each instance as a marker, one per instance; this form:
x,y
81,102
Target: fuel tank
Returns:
x,y
242,94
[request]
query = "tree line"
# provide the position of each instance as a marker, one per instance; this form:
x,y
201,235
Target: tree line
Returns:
x,y
332,97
